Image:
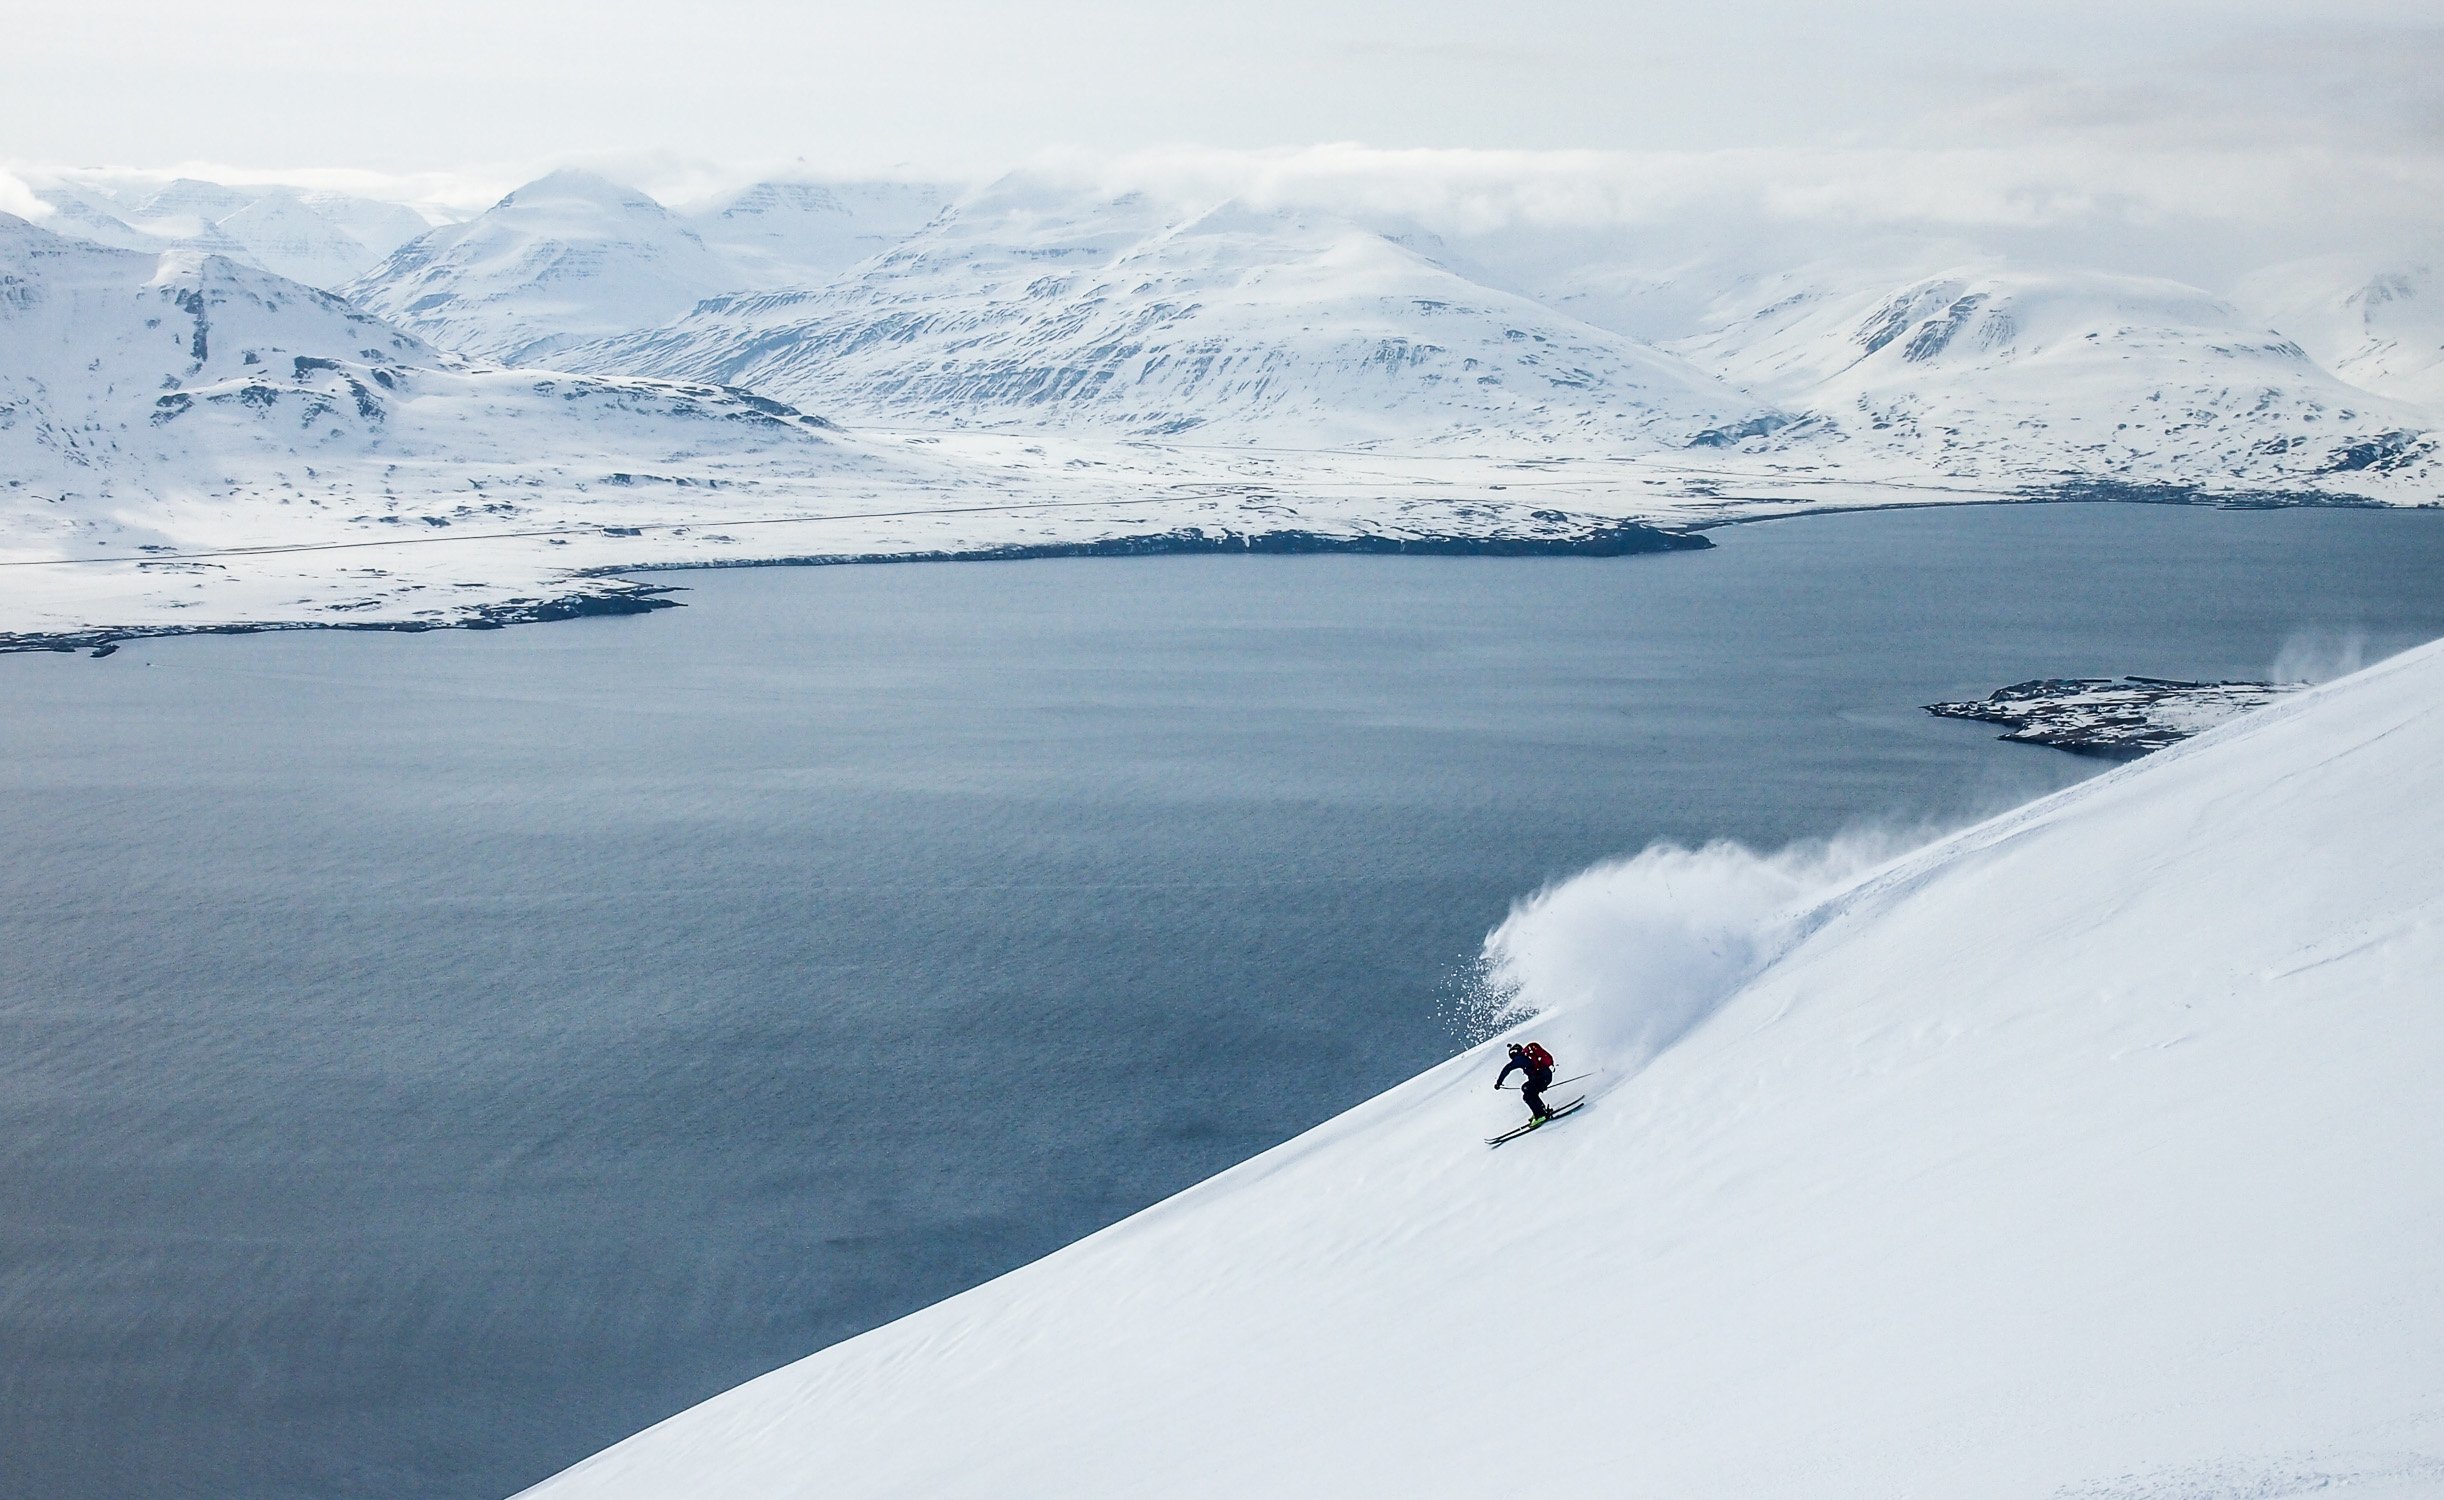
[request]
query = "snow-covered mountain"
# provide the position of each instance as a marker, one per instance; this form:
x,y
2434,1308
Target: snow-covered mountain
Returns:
x,y
279,233
82,216
799,234
320,238
106,345
1998,369
184,203
190,442
131,379
2379,326
323,240
1051,371
1031,307
1229,324
564,259
2091,1152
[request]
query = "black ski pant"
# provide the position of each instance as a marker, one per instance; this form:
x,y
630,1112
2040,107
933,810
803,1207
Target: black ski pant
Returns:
x,y
1531,1088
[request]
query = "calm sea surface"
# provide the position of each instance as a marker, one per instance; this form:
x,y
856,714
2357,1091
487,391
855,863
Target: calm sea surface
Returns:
x,y
424,1060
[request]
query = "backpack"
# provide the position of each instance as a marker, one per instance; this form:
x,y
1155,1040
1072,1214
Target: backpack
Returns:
x,y
1536,1054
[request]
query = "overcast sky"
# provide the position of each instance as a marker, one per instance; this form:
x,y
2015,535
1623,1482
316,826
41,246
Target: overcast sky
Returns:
x,y
1967,107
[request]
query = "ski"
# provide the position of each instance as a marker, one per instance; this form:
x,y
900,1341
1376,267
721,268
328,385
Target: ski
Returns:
x,y
1558,1112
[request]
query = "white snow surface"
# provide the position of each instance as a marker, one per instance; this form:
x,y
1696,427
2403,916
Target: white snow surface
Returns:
x,y
2092,1151
1132,317
784,233
2377,324
1991,369
566,258
314,236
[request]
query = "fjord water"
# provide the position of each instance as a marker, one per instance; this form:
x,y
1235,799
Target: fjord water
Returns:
x,y
430,1058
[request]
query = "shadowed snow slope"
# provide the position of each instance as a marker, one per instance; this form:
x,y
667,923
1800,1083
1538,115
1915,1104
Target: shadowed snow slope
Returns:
x,y
2091,1151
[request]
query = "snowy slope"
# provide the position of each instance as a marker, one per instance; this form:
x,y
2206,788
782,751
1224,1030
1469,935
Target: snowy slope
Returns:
x,y
2377,325
1025,308
307,237
183,203
798,234
566,258
138,375
102,342
83,216
2093,1152
1992,369
320,238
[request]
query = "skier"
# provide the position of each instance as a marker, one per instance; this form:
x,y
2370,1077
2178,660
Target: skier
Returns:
x,y
1536,1068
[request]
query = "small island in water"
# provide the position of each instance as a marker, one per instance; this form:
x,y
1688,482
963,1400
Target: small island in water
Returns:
x,y
2120,718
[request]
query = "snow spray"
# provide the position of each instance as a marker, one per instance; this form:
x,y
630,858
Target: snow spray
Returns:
x,y
2323,655
1620,961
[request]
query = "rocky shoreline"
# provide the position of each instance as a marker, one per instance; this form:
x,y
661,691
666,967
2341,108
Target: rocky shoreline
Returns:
x,y
1609,539
2118,718
628,599
605,593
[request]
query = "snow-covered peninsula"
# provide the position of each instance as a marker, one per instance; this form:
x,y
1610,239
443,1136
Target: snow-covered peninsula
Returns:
x,y
2114,718
2088,1151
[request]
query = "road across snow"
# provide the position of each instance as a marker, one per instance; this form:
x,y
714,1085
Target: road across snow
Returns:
x,y
2092,1151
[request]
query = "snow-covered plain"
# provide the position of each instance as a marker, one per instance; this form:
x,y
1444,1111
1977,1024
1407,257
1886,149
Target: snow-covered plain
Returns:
x,y
2090,1151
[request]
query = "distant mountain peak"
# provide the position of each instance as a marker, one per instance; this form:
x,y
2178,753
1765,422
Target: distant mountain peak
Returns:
x,y
568,257
1029,304
576,185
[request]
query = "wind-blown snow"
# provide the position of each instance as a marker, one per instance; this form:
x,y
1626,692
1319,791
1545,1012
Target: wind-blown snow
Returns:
x,y
2090,1151
1636,951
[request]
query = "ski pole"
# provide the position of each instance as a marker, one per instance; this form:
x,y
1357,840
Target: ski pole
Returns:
x,y
1510,1088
